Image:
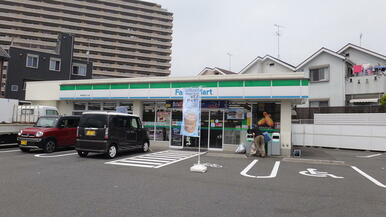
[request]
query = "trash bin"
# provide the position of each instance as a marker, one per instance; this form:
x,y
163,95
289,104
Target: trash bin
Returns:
x,y
249,142
275,143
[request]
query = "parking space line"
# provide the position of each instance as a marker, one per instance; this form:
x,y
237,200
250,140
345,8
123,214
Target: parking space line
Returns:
x,y
369,156
272,175
8,151
368,177
52,156
155,160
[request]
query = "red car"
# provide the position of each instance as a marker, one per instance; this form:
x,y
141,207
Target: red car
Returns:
x,y
49,133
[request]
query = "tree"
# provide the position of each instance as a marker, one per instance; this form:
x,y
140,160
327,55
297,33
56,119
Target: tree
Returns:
x,y
383,100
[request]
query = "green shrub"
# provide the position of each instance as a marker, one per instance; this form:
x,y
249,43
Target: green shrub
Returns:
x,y
383,100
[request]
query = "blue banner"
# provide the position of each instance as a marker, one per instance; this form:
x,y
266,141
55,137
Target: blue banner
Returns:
x,y
191,112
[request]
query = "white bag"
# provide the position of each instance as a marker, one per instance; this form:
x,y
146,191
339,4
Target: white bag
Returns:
x,y
240,149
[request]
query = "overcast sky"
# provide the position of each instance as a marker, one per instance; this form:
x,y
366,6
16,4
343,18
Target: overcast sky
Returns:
x,y
206,30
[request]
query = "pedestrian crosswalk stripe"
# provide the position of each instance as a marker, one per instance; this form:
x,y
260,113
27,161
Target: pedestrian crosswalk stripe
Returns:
x,y
155,160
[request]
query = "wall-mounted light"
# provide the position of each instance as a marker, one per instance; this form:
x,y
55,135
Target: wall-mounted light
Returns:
x,y
359,81
375,78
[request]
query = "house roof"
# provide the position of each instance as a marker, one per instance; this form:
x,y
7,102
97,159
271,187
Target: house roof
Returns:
x,y
219,70
3,54
370,52
317,53
287,65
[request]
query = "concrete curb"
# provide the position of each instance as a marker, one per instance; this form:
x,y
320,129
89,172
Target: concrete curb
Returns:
x,y
315,161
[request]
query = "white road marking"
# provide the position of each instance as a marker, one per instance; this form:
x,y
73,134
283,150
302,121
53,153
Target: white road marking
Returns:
x,y
369,156
315,173
272,175
368,177
51,156
155,160
9,151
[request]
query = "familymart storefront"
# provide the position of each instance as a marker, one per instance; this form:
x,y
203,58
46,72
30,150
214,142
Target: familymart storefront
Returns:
x,y
230,104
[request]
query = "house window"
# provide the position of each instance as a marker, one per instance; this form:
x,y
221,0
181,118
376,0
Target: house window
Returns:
x,y
315,104
319,74
54,64
79,69
32,61
14,88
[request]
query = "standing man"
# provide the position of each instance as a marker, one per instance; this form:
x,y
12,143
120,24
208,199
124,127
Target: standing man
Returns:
x,y
258,141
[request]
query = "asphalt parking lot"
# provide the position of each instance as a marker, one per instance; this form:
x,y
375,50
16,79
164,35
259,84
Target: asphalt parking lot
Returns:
x,y
322,183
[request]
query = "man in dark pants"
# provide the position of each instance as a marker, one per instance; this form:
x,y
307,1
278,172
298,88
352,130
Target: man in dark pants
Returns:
x,y
258,141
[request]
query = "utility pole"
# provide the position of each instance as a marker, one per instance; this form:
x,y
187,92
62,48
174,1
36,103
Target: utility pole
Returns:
x,y
230,61
360,39
278,34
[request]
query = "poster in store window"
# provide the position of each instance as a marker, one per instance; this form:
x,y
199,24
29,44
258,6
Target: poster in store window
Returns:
x,y
235,114
163,117
191,112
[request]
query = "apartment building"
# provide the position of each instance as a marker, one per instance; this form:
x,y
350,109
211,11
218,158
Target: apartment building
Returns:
x,y
123,38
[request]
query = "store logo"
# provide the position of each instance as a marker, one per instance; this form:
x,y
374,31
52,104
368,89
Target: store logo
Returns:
x,y
207,92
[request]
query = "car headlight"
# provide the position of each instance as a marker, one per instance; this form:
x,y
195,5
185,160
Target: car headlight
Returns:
x,y
20,132
39,134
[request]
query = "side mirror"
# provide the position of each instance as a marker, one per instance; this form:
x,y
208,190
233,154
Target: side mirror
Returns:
x,y
61,126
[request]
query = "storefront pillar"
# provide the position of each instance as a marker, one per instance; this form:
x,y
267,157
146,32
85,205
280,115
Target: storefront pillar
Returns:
x,y
285,128
138,108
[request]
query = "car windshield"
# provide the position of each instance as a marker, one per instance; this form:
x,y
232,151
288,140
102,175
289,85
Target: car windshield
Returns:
x,y
46,122
93,120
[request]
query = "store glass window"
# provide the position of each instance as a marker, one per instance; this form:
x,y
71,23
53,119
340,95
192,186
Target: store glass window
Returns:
x,y
109,106
162,123
80,106
235,125
266,116
94,106
129,106
149,119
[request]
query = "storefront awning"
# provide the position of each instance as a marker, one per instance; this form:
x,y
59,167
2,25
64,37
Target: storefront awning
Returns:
x,y
369,100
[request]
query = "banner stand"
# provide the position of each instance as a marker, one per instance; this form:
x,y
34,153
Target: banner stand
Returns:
x,y
191,121
199,168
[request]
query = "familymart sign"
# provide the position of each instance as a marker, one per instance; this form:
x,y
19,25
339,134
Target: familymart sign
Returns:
x,y
238,89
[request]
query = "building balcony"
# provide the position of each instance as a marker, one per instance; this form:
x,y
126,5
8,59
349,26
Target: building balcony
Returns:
x,y
89,11
369,84
81,18
57,30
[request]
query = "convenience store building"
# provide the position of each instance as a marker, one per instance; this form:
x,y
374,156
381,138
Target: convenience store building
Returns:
x,y
230,104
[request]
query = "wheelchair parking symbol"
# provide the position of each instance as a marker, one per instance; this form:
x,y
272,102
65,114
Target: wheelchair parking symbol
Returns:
x,y
315,173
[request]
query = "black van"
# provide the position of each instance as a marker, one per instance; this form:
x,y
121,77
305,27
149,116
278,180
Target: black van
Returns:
x,y
109,133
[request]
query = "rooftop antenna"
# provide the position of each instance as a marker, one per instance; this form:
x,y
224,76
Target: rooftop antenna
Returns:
x,y
278,34
230,61
360,39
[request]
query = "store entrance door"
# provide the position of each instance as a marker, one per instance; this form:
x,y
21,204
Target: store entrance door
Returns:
x,y
192,142
211,133
216,129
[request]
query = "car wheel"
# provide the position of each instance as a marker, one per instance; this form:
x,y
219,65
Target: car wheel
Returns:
x,y
145,147
50,146
112,152
82,153
24,149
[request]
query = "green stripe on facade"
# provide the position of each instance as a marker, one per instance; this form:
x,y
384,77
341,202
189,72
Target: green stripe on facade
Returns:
x,y
194,84
67,87
139,86
305,82
119,86
231,84
248,83
84,87
100,86
257,83
159,85
285,82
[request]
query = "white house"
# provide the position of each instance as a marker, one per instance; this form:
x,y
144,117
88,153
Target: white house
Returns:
x,y
333,80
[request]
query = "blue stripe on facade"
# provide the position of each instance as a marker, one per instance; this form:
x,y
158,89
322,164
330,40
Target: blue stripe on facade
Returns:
x,y
180,97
